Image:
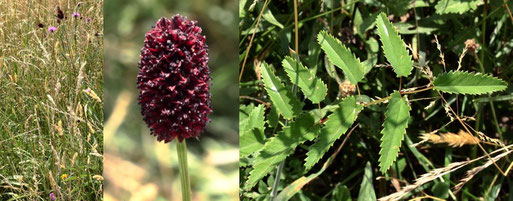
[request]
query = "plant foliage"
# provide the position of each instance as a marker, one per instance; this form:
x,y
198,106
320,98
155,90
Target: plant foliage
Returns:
x,y
341,56
351,124
312,87
286,104
394,128
336,125
393,46
460,82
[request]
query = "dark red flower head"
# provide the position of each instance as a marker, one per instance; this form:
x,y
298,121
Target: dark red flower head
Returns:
x,y
174,79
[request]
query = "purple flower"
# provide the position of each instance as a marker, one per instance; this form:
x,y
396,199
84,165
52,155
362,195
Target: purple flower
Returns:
x,y
76,15
174,80
52,29
88,20
52,197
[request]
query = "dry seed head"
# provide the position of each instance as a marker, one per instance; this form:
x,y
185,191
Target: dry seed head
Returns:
x,y
346,88
471,45
452,139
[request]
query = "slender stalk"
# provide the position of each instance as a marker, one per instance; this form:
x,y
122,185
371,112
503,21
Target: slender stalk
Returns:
x,y
406,91
181,147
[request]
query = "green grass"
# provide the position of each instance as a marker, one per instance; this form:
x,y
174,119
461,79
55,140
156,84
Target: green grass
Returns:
x,y
50,123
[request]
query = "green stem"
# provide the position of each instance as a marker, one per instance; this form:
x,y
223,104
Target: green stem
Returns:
x,y
181,147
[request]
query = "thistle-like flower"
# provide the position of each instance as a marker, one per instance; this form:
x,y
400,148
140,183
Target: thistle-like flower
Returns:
x,y
174,79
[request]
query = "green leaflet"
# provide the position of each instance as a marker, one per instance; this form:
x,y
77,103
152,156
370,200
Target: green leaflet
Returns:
x,y
456,6
251,141
394,128
286,104
277,148
341,56
251,129
366,188
313,88
336,125
461,82
254,120
394,47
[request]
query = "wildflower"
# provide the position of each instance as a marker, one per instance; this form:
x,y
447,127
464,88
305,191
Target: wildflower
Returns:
x,y
88,20
174,80
52,197
76,15
52,29
64,176
40,25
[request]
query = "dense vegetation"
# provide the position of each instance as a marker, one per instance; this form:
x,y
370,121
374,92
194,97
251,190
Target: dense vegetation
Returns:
x,y
51,111
375,99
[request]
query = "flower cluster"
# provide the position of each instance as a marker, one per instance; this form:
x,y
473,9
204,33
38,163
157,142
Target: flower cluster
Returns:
x,y
174,79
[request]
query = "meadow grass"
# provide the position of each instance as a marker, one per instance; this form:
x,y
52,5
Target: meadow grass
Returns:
x,y
51,111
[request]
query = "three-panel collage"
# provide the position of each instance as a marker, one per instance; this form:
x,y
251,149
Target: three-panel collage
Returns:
x,y
265,100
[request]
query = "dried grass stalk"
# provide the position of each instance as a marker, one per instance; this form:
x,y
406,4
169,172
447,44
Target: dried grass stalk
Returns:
x,y
452,139
471,173
439,172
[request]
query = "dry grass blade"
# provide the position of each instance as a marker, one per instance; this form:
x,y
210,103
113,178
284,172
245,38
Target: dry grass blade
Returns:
x,y
471,173
452,139
436,173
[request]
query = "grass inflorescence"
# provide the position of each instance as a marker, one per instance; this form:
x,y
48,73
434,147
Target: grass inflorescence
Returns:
x,y
51,110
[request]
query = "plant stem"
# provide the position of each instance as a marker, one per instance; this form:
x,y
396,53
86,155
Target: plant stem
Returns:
x,y
181,147
276,181
406,91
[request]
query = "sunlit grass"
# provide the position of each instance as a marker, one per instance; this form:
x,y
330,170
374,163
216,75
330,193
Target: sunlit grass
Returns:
x,y
51,111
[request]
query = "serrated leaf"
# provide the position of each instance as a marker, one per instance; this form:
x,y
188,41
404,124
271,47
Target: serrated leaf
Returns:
x,y
366,188
461,82
312,87
394,128
255,119
286,104
456,6
336,125
251,141
341,56
277,148
393,46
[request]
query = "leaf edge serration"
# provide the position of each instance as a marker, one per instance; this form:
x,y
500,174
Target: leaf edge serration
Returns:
x,y
403,45
360,65
315,79
358,109
387,114
290,150
472,74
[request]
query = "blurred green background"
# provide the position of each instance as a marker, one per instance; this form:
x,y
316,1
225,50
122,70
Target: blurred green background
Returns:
x,y
137,167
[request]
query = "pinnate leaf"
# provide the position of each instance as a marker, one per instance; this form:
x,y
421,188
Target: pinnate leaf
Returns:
x,y
255,119
394,47
394,128
313,88
341,56
277,148
286,104
251,129
251,141
461,82
336,125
